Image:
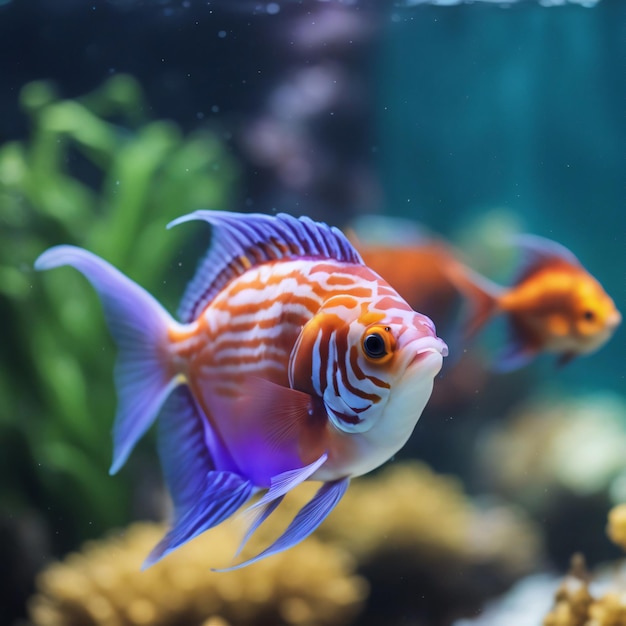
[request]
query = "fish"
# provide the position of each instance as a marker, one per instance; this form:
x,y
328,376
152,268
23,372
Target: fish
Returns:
x,y
290,360
419,273
553,306
413,261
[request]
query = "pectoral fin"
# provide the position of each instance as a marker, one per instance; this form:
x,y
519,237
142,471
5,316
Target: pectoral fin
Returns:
x,y
273,429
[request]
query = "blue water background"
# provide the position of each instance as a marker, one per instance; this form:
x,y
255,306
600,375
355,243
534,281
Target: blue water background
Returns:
x,y
481,107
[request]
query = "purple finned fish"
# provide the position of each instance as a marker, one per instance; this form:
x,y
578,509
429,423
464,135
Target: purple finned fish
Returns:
x,y
292,361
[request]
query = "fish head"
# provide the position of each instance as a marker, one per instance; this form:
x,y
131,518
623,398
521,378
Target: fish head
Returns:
x,y
595,316
369,367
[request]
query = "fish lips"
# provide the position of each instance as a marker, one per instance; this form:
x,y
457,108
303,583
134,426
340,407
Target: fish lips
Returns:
x,y
614,320
428,350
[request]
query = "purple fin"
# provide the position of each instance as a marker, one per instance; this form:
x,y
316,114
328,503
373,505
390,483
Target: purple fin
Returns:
x,y
188,449
242,240
258,516
139,326
538,252
285,482
281,485
517,352
513,359
520,348
305,522
219,496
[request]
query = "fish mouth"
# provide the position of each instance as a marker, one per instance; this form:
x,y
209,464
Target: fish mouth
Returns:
x,y
427,346
614,320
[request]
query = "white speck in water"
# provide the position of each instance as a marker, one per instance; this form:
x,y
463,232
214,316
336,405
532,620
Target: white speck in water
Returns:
x,y
272,8
215,109
221,34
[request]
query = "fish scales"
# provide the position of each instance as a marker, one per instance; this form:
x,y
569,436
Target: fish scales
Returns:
x,y
255,320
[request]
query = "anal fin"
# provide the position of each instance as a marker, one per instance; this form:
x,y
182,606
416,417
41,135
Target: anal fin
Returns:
x,y
199,473
219,497
188,448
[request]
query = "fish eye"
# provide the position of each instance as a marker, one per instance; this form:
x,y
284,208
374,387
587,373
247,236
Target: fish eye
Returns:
x,y
378,343
589,315
374,346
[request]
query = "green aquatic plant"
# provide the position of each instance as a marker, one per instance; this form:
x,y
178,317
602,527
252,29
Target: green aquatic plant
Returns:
x,y
94,172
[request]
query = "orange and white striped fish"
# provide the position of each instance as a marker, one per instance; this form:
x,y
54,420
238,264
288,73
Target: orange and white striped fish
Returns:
x,y
292,361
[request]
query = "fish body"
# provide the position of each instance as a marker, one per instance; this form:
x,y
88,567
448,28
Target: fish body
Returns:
x,y
554,305
272,325
292,361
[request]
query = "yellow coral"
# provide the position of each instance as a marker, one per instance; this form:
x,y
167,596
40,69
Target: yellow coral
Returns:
x,y
575,443
617,525
609,611
572,599
409,508
574,604
406,518
103,585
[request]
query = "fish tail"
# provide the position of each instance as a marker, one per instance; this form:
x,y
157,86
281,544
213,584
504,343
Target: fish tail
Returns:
x,y
482,295
144,374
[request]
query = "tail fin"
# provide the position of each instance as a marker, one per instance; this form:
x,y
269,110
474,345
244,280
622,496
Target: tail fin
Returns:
x,y
139,325
481,293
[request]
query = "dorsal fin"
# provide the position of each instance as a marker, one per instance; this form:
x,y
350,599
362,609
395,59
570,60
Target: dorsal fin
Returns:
x,y
242,240
539,252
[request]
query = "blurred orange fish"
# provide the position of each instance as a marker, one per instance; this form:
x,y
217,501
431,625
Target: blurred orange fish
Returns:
x,y
419,270
555,305
418,273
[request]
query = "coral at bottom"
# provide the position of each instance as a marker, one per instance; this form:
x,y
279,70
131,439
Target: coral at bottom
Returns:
x,y
312,584
577,603
411,536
